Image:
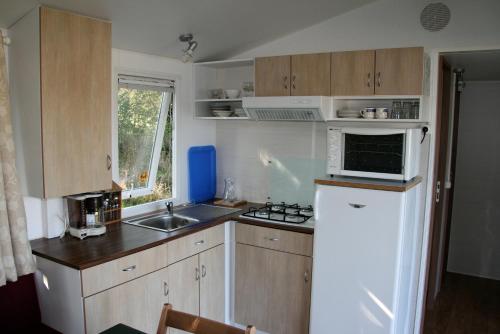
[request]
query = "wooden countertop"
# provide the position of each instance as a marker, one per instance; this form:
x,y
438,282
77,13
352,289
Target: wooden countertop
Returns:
x,y
124,239
373,184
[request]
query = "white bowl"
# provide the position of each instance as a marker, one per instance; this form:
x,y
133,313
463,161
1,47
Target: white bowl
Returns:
x,y
232,93
222,113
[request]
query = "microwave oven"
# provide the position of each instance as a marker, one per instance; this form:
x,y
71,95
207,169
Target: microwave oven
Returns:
x,y
373,152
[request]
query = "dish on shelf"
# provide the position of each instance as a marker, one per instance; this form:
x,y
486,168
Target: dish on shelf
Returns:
x,y
222,113
239,112
232,93
348,113
217,93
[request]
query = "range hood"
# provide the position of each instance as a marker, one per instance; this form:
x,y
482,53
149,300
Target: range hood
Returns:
x,y
288,108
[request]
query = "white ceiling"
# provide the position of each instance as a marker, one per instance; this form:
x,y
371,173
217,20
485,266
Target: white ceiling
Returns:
x,y
478,65
222,27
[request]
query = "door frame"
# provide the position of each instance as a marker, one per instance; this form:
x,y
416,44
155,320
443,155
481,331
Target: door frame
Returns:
x,y
428,196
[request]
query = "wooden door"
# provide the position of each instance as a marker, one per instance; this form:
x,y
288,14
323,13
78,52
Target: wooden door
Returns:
x,y
75,63
353,73
137,303
438,210
272,290
212,284
272,76
184,288
311,75
399,71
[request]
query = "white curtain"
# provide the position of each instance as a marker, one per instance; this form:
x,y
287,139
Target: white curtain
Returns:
x,y
15,250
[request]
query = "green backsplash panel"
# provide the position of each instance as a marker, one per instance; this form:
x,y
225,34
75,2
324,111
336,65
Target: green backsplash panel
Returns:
x,y
292,179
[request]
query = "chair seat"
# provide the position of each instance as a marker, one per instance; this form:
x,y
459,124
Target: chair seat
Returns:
x,y
122,329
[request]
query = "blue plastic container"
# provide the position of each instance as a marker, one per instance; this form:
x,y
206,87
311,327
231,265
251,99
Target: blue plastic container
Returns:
x,y
202,173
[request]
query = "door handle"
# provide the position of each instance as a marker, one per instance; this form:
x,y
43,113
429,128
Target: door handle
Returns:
x,y
357,206
166,290
285,81
293,81
203,270
306,276
438,191
379,80
368,79
108,160
197,274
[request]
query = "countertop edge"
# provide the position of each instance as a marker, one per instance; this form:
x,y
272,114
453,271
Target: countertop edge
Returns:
x,y
372,185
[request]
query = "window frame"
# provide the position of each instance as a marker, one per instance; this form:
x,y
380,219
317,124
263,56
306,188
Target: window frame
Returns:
x,y
157,146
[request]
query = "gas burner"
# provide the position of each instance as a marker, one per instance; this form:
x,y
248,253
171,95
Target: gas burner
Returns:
x,y
281,212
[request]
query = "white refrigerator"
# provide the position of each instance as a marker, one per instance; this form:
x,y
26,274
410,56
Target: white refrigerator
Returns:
x,y
366,261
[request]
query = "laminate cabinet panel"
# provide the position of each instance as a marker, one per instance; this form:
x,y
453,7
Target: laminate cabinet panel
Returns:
x,y
184,288
212,283
286,241
109,274
137,304
75,62
353,73
399,71
272,290
272,76
310,74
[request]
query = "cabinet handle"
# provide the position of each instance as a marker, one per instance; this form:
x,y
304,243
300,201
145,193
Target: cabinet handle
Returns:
x,y
108,159
357,206
197,243
273,239
293,81
306,276
197,274
379,80
203,270
368,80
129,268
285,81
166,290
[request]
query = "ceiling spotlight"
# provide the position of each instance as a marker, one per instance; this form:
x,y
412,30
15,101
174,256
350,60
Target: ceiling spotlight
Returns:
x,y
191,46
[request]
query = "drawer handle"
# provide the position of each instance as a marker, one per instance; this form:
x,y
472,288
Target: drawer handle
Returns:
x,y
129,268
166,290
273,239
357,206
199,242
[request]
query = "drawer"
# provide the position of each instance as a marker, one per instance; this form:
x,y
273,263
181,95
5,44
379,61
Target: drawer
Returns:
x,y
112,273
285,241
195,243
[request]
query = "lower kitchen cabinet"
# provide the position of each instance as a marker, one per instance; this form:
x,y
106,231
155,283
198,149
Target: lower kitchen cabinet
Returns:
x,y
272,290
137,303
212,284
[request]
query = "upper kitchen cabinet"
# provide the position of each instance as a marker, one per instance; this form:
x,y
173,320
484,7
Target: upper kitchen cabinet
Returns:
x,y
272,76
61,96
310,75
399,71
352,73
297,75
377,72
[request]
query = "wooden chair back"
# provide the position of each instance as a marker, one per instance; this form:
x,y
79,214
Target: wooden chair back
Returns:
x,y
195,324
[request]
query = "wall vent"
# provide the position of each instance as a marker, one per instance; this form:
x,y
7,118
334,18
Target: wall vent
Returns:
x,y
435,16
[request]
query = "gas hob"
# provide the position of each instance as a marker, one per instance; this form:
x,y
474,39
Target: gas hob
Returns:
x,y
282,213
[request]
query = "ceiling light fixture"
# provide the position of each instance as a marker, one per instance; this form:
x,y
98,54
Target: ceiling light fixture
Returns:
x,y
189,51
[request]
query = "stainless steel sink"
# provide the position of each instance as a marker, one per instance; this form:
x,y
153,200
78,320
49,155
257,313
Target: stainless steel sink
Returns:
x,y
163,222
183,217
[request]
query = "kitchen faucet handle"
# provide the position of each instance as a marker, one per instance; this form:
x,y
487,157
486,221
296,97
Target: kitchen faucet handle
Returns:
x,y
170,207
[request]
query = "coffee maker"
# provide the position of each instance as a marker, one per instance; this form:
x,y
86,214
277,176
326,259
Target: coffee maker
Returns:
x,y
86,215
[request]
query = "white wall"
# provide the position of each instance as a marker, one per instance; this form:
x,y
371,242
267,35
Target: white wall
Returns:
x,y
43,216
392,23
474,247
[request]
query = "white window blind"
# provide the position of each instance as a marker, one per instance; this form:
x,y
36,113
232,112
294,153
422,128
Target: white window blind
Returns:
x,y
144,83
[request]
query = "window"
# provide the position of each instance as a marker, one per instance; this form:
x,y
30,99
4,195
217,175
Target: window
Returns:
x,y
145,136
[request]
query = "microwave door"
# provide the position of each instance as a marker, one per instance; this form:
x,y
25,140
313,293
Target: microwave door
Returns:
x,y
377,153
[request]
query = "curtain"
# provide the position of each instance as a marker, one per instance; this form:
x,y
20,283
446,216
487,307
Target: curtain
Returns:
x,y
15,250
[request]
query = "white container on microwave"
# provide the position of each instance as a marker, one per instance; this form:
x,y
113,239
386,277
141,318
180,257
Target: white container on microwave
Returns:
x,y
373,152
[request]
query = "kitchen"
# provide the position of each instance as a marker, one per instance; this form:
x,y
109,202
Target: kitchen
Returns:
x,y
268,161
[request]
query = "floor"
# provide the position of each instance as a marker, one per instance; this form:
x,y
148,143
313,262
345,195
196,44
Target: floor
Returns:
x,y
465,305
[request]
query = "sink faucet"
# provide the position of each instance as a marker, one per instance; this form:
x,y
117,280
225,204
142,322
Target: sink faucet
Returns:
x,y
170,208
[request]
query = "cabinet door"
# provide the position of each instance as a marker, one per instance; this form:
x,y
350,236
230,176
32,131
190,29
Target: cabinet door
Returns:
x,y
399,71
311,74
272,76
184,288
272,290
137,303
75,56
353,73
212,294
